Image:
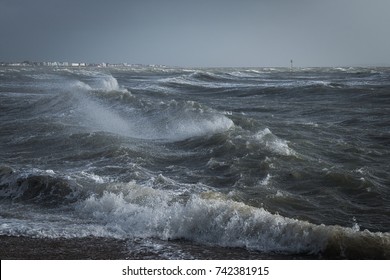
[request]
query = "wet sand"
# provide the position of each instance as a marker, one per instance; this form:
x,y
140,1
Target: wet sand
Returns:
x,y
96,248
16,248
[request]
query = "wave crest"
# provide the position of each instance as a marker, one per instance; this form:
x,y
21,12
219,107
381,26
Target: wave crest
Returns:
x,y
211,218
40,187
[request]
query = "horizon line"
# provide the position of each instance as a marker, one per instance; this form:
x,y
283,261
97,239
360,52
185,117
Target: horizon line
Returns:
x,y
127,64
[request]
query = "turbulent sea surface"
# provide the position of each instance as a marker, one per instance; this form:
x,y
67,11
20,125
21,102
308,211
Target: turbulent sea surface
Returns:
x,y
199,163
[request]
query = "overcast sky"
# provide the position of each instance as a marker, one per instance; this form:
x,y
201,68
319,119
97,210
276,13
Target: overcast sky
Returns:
x,y
198,32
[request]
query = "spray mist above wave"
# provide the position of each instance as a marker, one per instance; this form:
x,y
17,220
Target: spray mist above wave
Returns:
x,y
178,120
108,83
172,120
103,82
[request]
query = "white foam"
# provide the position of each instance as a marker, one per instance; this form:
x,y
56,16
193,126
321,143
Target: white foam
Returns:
x,y
182,120
214,163
107,83
191,127
145,212
165,120
79,86
266,180
50,172
37,225
96,178
249,73
274,143
208,218
168,125
135,211
195,79
96,80
355,225
313,124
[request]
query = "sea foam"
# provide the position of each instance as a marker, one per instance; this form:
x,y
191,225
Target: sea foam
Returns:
x,y
212,218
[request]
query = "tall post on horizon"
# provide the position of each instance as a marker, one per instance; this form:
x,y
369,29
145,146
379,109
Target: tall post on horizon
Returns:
x,y
291,65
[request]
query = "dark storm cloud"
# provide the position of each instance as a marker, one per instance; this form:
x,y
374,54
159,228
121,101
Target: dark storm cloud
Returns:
x,y
199,33
55,29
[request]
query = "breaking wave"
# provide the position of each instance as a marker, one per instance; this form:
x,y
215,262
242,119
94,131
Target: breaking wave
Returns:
x,y
212,218
173,120
131,210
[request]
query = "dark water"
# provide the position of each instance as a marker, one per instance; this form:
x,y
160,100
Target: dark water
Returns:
x,y
267,161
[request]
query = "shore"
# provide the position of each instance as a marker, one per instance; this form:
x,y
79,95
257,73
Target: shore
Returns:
x,y
17,248
95,248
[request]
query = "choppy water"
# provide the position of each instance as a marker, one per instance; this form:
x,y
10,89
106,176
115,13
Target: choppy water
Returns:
x,y
272,161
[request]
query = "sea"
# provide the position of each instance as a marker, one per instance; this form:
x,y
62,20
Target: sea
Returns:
x,y
199,163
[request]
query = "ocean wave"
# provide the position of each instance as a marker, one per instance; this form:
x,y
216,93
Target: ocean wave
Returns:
x,y
90,79
107,83
131,211
172,120
273,143
99,103
211,218
39,187
202,79
187,119
104,82
248,73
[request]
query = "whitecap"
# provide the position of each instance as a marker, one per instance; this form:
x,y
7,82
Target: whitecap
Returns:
x,y
273,143
212,218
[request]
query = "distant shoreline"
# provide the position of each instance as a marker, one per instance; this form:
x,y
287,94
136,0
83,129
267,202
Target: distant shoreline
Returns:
x,y
125,64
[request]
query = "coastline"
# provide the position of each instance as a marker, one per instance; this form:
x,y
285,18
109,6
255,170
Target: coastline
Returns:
x,y
86,248
99,248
